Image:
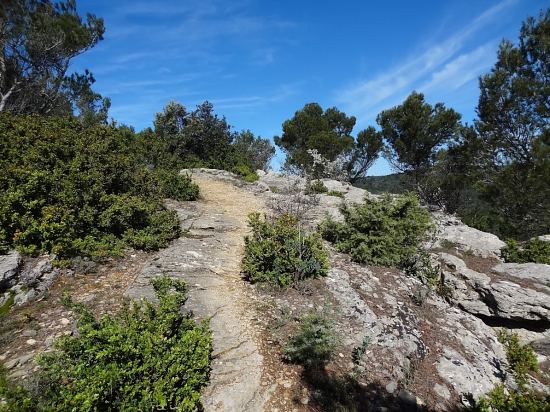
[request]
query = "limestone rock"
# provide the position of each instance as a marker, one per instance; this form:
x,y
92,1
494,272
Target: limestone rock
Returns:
x,y
281,182
498,296
9,268
465,351
451,229
536,272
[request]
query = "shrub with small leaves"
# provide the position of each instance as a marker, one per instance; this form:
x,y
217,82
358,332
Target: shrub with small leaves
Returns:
x,y
14,397
316,187
280,252
74,190
147,357
335,193
501,400
314,342
522,358
534,250
380,232
175,186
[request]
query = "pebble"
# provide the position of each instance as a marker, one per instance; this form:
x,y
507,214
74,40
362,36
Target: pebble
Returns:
x,y
31,342
64,321
391,387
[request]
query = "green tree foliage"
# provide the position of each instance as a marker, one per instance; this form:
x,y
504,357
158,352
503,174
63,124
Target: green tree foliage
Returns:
x,y
39,40
278,251
203,139
414,132
380,232
256,151
314,342
75,190
514,128
366,151
329,133
147,357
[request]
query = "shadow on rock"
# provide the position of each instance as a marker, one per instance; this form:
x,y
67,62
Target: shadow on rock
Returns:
x,y
330,392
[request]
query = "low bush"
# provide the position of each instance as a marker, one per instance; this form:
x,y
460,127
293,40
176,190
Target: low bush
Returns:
x,y
176,186
81,191
148,357
335,193
314,342
534,250
316,187
13,397
522,358
280,252
380,232
246,173
502,400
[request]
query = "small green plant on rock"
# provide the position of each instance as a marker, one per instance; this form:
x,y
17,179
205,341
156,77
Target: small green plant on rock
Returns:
x,y
335,193
314,342
280,252
522,358
534,250
316,187
501,400
359,351
380,232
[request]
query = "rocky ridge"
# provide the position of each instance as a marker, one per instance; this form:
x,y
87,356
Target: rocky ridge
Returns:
x,y
423,349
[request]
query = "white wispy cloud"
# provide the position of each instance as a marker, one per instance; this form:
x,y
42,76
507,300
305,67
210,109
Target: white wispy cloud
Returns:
x,y
462,69
255,101
445,64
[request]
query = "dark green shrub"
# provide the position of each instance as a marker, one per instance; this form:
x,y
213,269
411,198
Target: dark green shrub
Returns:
x,y
279,251
163,227
500,400
335,193
314,342
148,357
75,190
380,232
15,397
246,172
534,250
176,186
316,187
522,358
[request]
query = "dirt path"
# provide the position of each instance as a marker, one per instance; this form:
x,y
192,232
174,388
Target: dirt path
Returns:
x,y
207,257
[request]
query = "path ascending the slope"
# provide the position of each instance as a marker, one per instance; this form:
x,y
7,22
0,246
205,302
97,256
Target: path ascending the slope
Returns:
x,y
207,257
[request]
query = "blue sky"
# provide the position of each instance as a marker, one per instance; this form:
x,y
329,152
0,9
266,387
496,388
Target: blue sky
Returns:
x,y
260,61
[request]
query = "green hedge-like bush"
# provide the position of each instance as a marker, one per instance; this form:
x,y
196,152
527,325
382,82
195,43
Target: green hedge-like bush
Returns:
x,y
147,357
534,250
75,190
280,252
380,232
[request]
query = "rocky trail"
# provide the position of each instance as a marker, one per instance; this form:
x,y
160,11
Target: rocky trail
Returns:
x,y
207,257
